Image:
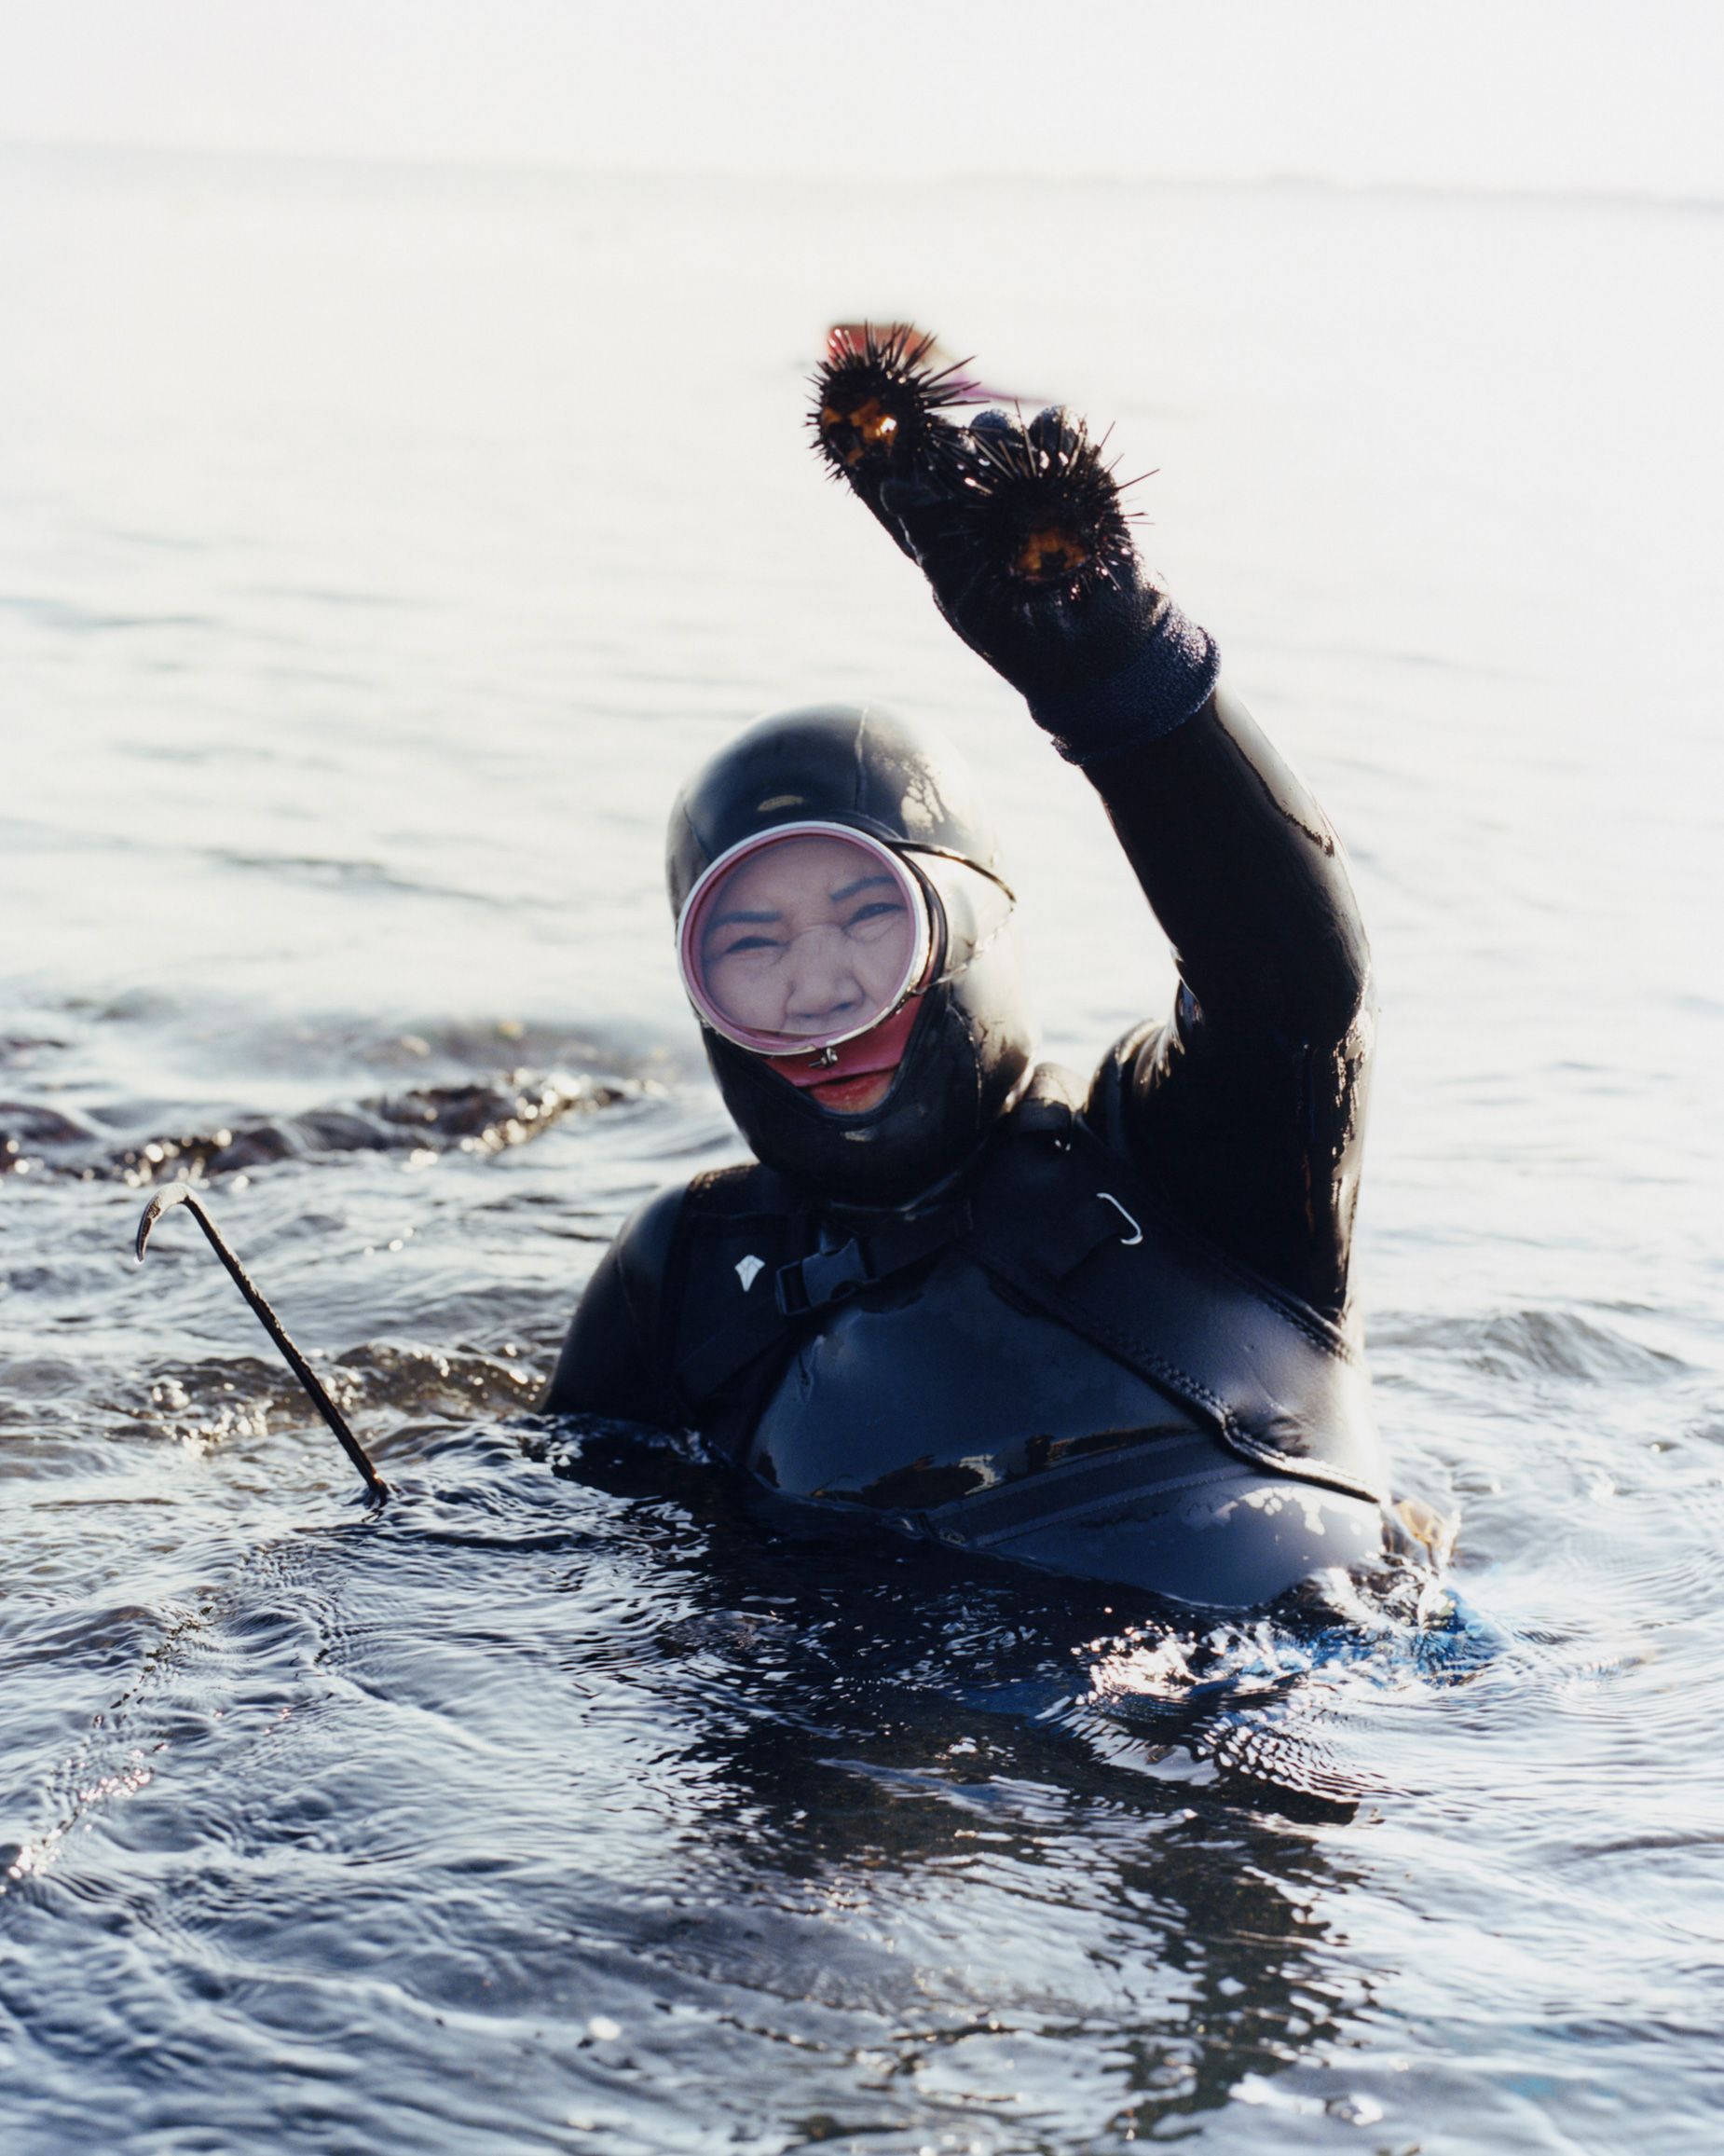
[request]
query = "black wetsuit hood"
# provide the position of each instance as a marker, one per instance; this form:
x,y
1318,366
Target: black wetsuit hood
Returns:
x,y
972,1046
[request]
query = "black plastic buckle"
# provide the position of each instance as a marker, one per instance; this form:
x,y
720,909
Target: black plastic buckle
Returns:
x,y
827,1276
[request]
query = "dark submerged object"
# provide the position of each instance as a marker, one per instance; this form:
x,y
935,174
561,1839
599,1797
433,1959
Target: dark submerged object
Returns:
x,y
1103,1329
182,1194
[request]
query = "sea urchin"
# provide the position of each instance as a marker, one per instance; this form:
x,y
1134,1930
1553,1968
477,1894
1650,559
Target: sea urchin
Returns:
x,y
1042,507
875,398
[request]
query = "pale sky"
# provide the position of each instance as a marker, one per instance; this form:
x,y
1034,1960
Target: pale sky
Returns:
x,y
1608,94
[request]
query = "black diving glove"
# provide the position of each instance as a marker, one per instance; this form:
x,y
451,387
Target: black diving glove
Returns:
x,y
1021,533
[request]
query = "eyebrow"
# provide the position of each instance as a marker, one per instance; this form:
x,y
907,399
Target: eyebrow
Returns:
x,y
758,914
767,914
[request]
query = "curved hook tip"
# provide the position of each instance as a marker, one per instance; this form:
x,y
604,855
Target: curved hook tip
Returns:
x,y
169,1194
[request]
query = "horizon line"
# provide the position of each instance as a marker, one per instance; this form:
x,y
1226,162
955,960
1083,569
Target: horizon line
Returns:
x,y
1582,195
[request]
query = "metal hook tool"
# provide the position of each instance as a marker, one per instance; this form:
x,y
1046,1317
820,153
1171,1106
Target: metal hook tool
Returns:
x,y
181,1194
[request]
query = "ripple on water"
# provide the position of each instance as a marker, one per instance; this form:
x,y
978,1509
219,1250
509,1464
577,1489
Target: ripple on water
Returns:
x,y
1510,1348
542,1810
422,1122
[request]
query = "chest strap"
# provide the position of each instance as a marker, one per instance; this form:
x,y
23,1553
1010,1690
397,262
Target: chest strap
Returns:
x,y
1069,1228
826,1277
1063,1222
746,1293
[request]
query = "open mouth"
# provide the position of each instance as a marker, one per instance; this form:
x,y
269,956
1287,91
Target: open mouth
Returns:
x,y
854,1075
854,1097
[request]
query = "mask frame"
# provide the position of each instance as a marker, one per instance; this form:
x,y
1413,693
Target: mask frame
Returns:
x,y
926,937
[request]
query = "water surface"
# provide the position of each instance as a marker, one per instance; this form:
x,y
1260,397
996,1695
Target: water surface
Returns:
x,y
376,549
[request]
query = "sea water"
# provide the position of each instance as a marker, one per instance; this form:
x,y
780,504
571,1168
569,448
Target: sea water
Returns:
x,y
377,548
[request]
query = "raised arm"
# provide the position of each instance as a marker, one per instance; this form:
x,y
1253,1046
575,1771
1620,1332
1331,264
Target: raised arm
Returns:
x,y
1245,1106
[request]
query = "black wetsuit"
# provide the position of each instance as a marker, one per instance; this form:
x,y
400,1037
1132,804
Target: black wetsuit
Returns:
x,y
942,1395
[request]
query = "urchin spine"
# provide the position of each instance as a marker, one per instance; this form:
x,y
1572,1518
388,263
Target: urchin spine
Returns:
x,y
1047,511
876,398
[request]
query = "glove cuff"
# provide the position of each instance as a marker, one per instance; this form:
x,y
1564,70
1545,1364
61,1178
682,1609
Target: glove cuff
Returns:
x,y
1167,682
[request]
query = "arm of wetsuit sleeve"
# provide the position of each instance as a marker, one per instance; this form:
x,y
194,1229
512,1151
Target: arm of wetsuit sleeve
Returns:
x,y
1248,1105
612,1359
1244,873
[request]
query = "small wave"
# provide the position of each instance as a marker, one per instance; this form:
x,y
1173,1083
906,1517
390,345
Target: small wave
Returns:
x,y
24,1047
1512,1345
210,1402
65,617
330,871
1283,1702
482,1116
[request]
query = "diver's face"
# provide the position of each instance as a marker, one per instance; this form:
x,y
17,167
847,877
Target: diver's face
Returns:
x,y
809,937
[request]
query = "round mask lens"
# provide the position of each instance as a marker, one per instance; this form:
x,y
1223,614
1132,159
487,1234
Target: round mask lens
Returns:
x,y
802,938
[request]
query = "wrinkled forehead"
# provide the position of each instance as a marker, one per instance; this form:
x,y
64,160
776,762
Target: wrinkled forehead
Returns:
x,y
807,873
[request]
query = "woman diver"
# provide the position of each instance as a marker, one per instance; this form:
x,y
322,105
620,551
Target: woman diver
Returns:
x,y
1102,1329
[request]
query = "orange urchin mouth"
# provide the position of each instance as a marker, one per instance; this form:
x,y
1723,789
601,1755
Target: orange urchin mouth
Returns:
x,y
851,434
1049,552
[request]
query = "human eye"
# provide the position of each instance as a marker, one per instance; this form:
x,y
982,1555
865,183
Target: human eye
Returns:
x,y
748,946
870,919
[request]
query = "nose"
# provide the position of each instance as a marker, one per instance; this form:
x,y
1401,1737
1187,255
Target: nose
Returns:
x,y
820,981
